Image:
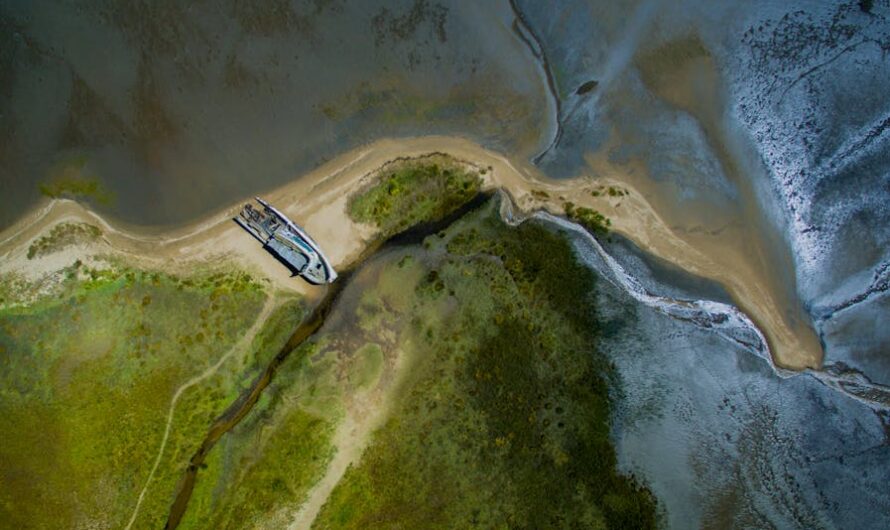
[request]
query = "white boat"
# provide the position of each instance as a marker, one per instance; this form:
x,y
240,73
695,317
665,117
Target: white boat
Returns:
x,y
286,240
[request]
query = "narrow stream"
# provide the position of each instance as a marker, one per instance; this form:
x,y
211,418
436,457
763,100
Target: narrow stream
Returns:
x,y
723,319
239,409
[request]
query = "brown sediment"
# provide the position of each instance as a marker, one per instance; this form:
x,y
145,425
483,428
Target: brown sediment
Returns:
x,y
683,73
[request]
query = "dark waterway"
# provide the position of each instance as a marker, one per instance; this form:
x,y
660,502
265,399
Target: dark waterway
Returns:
x,y
307,328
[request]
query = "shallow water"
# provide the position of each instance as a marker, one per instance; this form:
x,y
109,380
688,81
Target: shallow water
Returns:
x,y
723,439
760,128
179,109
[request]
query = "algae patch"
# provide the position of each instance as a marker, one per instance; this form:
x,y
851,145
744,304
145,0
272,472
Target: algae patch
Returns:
x,y
71,180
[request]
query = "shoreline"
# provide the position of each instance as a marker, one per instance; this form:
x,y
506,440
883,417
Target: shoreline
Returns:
x,y
317,201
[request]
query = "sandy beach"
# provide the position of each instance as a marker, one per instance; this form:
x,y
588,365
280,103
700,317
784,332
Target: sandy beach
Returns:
x,y
318,199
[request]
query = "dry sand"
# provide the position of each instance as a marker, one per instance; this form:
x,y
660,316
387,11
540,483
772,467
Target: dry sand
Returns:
x,y
317,201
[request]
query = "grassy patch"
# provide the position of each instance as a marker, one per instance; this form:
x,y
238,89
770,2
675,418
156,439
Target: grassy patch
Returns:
x,y
63,235
365,367
258,472
14,289
589,218
262,470
269,461
87,377
414,191
504,421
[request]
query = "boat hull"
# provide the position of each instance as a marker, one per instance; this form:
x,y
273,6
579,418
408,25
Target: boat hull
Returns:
x,y
288,242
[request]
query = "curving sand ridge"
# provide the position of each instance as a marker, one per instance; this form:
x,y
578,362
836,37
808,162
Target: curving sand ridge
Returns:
x,y
317,201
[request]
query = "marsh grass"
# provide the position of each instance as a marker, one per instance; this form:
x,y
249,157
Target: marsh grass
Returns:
x,y
505,419
414,191
88,375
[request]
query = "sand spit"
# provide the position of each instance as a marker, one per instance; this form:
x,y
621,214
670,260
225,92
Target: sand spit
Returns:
x,y
317,201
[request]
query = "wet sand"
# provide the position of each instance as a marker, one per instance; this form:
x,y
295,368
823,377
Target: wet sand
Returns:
x,y
317,201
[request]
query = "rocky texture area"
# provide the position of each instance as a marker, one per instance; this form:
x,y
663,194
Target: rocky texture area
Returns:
x,y
818,112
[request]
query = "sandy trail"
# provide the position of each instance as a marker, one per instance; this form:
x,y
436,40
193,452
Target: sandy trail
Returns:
x,y
351,438
317,200
240,347
365,413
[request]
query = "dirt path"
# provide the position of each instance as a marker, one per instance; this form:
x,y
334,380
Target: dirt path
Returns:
x,y
350,441
241,346
364,416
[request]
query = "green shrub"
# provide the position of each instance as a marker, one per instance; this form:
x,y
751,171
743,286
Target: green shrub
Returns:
x,y
63,235
589,218
505,421
414,191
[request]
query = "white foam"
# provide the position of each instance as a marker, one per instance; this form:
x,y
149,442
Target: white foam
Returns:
x,y
723,319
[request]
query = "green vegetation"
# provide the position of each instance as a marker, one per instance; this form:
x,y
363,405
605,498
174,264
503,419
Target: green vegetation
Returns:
x,y
414,191
611,191
268,462
479,349
76,188
261,469
63,235
88,374
15,290
589,218
71,179
260,472
366,368
504,420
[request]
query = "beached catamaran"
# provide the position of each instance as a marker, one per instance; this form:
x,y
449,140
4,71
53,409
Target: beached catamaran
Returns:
x,y
287,241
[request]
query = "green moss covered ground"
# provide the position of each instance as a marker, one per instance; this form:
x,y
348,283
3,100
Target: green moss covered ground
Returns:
x,y
87,377
415,191
505,420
